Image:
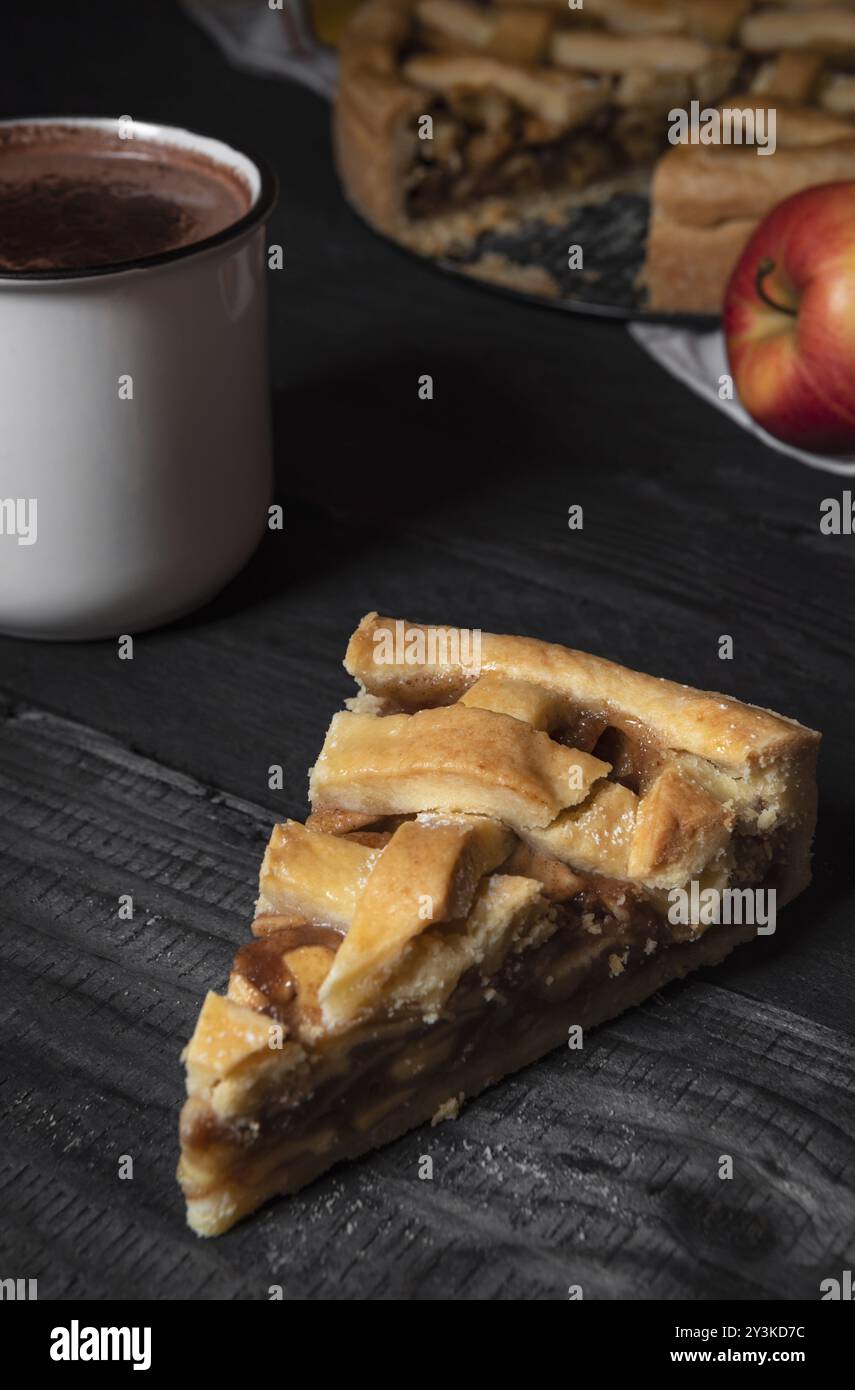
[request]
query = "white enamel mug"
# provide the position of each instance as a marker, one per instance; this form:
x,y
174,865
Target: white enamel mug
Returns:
x,y
144,506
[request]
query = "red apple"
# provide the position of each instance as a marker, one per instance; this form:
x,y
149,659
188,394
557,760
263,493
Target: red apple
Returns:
x,y
789,321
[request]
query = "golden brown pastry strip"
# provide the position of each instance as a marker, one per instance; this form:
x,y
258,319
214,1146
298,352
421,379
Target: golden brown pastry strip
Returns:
x,y
429,872
679,830
541,709
319,876
714,20
448,760
595,837
560,98
515,35
590,51
837,94
829,31
791,77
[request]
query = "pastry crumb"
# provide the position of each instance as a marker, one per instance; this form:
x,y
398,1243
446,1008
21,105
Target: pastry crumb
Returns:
x,y
449,1110
501,270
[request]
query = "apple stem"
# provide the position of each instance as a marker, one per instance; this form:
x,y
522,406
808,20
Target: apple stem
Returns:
x,y
764,269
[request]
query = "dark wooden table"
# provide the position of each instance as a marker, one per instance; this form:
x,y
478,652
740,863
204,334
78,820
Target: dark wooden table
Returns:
x,y
150,777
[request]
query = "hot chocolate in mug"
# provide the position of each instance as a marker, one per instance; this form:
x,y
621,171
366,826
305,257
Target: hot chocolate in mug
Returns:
x,y
135,448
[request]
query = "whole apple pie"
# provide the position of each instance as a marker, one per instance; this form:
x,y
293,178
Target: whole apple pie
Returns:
x,y
457,117
509,841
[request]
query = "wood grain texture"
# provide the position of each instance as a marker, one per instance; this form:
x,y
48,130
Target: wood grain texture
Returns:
x,y
597,1168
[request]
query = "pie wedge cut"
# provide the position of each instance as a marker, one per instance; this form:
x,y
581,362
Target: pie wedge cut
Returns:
x,y
500,830
454,118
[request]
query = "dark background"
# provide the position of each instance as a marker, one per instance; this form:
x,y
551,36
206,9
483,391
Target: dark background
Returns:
x,y
455,511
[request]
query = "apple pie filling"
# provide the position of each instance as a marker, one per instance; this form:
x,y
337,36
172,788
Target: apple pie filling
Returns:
x,y
343,1095
483,148
526,100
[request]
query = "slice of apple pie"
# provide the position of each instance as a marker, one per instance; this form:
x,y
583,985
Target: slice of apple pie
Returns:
x,y
508,840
